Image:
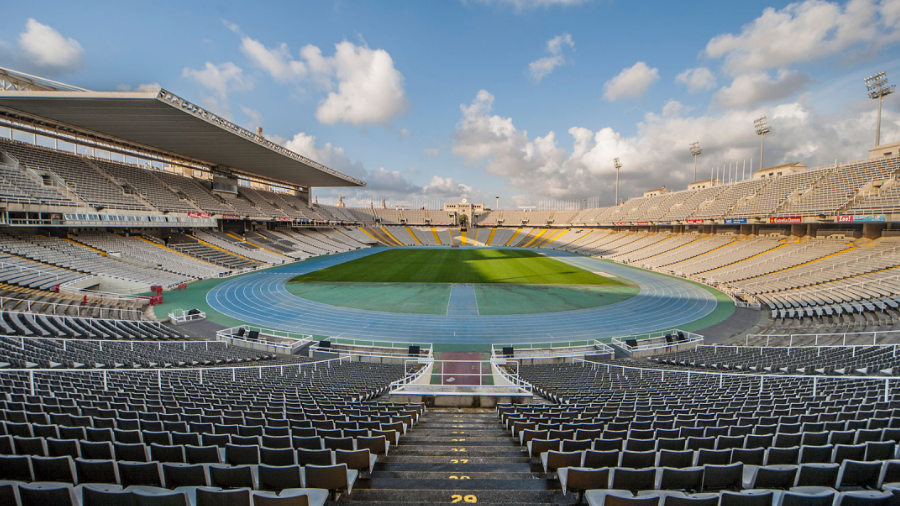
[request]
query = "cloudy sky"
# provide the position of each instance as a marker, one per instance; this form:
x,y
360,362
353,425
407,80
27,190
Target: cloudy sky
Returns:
x,y
529,100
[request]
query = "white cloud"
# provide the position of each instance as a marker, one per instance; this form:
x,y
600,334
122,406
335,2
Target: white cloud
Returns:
x,y
759,88
446,187
697,79
362,84
805,31
381,183
657,155
47,50
144,87
541,67
380,179
277,61
431,151
219,79
631,82
253,115
369,89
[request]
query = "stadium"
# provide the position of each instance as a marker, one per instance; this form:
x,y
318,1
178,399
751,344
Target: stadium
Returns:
x,y
182,323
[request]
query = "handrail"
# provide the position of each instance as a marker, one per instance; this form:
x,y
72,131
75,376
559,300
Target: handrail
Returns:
x,y
90,319
160,370
875,334
515,379
41,272
799,346
132,341
595,348
692,337
6,301
411,377
744,375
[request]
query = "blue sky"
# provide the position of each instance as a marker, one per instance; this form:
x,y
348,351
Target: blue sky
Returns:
x,y
527,99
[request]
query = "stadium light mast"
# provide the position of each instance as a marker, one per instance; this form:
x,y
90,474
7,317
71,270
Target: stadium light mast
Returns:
x,y
761,125
695,152
878,88
618,166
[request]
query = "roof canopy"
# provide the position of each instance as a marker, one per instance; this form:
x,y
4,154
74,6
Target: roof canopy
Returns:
x,y
163,123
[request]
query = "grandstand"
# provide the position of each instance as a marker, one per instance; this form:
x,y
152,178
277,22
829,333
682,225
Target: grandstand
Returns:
x,y
104,214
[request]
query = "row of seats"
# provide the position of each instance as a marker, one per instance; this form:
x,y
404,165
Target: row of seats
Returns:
x,y
208,449
796,496
851,475
241,486
595,455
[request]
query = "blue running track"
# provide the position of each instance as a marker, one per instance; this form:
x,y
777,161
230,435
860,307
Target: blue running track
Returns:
x,y
262,299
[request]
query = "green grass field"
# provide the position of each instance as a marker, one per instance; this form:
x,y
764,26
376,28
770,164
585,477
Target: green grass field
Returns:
x,y
457,266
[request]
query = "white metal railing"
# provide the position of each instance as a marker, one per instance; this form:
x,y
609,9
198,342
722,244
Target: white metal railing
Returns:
x,y
547,344
874,336
31,270
281,334
365,350
159,372
484,371
89,320
498,365
158,343
414,376
689,374
126,296
657,340
594,347
185,315
57,309
280,343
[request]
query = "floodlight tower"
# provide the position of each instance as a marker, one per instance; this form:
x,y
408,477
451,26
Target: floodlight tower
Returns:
x,y
618,166
878,88
498,202
762,128
695,152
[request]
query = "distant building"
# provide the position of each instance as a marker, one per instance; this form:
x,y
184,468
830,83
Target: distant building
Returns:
x,y
656,192
885,151
781,170
465,208
706,183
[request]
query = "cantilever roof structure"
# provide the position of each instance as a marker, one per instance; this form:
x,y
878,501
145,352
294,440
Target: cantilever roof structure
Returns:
x,y
166,124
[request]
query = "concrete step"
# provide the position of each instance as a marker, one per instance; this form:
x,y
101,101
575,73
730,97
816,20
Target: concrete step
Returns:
x,y
453,475
461,450
451,495
457,456
472,459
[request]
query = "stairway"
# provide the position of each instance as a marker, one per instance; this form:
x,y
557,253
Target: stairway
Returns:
x,y
460,456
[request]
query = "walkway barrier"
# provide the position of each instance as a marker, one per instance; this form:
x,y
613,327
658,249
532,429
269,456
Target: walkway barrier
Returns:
x,y
157,343
764,380
552,351
373,349
186,315
416,376
655,343
59,309
463,372
258,338
501,367
820,339
494,375
201,373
